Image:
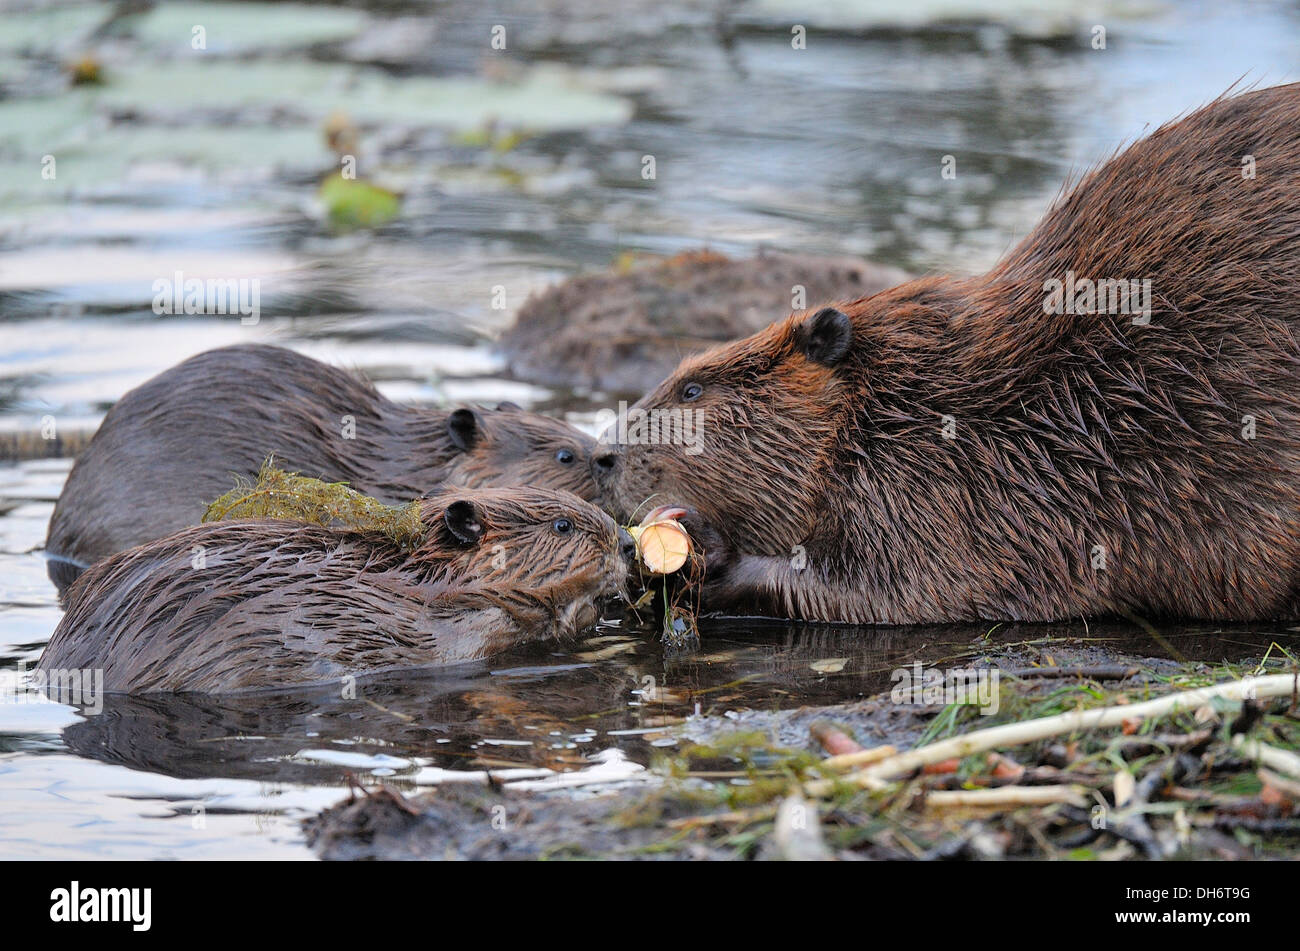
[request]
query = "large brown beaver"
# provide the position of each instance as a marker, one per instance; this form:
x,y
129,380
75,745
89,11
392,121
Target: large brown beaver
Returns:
x,y
175,443
245,605
1008,446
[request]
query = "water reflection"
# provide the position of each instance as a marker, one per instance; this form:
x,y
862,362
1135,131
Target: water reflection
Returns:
x,y
550,710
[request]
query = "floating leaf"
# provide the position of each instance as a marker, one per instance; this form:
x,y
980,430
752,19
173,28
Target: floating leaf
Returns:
x,y
352,203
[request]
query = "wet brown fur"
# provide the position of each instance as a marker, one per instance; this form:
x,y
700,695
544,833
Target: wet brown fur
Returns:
x,y
1072,431
175,443
276,604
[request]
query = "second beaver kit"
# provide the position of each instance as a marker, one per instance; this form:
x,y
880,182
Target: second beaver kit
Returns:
x,y
272,603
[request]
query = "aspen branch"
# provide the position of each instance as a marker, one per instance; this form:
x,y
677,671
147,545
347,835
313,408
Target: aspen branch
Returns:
x,y
876,775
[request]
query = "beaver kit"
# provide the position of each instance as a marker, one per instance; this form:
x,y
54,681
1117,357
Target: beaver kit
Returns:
x,y
271,603
982,448
171,445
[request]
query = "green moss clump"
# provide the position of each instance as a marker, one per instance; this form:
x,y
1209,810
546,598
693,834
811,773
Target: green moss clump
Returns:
x,y
288,495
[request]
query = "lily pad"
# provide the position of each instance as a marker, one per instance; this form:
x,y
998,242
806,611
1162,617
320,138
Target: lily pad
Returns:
x,y
315,90
52,28
244,27
90,153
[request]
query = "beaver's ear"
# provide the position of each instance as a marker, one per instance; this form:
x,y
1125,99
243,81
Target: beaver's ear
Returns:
x,y
826,336
508,406
463,428
462,521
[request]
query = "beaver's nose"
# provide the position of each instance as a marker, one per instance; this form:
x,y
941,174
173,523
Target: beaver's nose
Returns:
x,y
603,462
627,545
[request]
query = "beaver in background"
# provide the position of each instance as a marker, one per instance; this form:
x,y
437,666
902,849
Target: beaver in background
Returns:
x,y
275,604
624,331
177,441
1000,448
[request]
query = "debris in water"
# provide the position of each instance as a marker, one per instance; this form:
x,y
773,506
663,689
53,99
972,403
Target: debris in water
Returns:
x,y
352,203
86,71
681,632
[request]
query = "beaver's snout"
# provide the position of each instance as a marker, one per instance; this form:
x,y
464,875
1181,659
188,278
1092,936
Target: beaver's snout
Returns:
x,y
604,460
627,546
605,470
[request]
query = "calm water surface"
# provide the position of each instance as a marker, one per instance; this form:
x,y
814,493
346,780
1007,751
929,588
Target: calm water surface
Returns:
x,y
515,169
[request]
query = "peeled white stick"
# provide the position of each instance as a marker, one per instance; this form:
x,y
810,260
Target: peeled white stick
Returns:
x,y
1015,734
1006,796
860,758
1290,788
1283,761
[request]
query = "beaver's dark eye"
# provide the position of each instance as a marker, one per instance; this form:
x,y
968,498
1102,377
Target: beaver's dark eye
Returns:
x,y
565,456
691,392
562,526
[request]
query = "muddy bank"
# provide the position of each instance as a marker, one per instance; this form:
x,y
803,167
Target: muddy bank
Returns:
x,y
459,823
757,783
624,331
